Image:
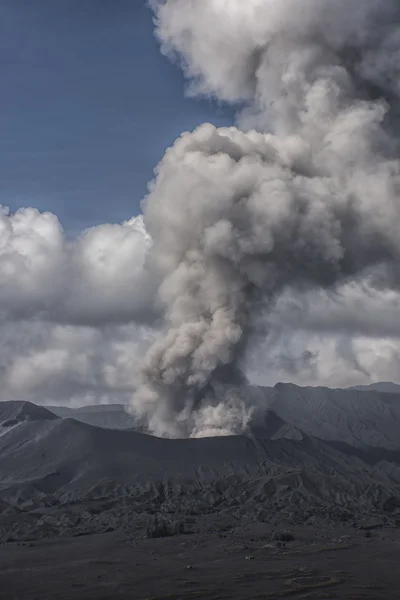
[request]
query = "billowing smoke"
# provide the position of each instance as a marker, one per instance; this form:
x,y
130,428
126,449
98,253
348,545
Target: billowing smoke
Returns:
x,y
303,194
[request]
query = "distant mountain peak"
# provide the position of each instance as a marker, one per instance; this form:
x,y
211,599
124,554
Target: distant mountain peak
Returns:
x,y
14,412
387,387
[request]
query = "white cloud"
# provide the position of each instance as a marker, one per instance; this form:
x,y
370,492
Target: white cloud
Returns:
x,y
48,363
71,311
324,358
346,337
97,279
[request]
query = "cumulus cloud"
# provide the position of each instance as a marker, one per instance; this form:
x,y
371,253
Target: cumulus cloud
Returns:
x,y
98,278
56,364
74,314
323,358
354,308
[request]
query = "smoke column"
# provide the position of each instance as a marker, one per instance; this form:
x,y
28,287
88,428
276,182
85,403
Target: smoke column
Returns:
x,y
303,193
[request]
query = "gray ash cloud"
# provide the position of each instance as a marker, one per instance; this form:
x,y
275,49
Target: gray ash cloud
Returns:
x,y
302,194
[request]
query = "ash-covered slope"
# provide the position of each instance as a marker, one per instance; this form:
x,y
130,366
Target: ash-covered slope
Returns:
x,y
12,413
380,386
74,459
111,416
60,476
355,417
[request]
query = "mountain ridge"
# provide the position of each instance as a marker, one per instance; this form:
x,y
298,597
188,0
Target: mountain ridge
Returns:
x,y
14,412
66,477
312,456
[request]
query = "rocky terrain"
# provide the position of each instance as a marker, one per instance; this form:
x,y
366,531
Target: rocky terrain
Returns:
x,y
317,477
318,457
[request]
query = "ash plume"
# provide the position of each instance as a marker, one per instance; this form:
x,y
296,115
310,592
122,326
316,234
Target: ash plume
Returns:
x,y
303,193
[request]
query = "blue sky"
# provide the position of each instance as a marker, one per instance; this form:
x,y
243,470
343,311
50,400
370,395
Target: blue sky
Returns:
x,y
88,107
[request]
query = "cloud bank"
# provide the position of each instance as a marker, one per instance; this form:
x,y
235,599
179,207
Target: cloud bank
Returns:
x,y
100,277
73,313
48,357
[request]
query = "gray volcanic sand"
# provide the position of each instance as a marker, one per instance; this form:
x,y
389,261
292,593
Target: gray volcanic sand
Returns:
x,y
318,564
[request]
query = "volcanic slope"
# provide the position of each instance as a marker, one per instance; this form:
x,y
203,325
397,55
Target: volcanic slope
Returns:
x,y
64,477
12,413
111,416
356,417
380,386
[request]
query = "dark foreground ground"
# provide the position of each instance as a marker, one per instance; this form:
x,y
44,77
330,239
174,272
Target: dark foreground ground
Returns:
x,y
316,565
